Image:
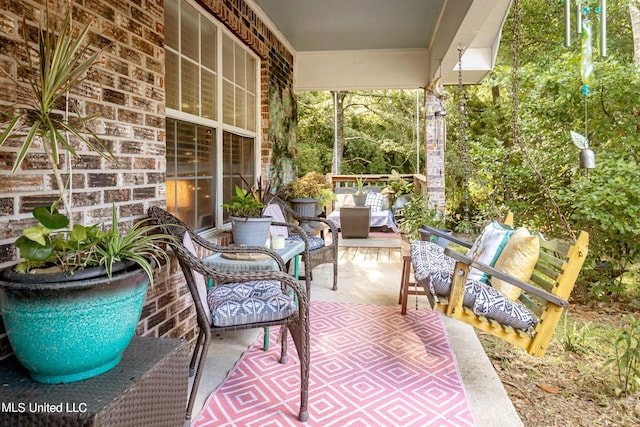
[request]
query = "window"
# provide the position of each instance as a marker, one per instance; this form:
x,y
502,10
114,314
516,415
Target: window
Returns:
x,y
208,111
236,156
190,173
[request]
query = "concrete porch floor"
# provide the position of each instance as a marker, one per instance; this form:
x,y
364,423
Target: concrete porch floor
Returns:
x,y
365,278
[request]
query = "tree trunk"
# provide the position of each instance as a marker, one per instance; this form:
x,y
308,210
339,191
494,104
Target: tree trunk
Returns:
x,y
338,147
635,27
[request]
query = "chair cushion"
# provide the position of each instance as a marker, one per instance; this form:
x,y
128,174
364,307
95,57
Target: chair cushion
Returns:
x,y
493,305
518,259
315,242
197,277
375,200
343,200
433,270
428,258
488,247
273,210
245,303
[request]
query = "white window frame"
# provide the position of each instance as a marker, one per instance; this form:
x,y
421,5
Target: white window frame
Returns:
x,y
218,124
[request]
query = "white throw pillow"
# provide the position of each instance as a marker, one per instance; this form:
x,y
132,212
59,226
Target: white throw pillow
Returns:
x,y
488,247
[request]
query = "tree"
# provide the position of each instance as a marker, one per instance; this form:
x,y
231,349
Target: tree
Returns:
x,y
379,132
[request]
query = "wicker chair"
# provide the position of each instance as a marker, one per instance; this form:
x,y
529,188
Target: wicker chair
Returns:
x,y
320,252
209,303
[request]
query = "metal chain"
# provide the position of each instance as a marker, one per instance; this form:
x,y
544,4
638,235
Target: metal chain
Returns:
x,y
515,134
462,130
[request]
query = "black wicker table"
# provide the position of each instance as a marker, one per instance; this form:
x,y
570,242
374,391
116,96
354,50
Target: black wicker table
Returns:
x,y
147,388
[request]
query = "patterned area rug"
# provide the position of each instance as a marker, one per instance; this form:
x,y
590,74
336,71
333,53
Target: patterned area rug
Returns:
x,y
370,366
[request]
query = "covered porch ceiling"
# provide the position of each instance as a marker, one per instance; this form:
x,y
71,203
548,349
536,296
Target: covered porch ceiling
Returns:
x,y
386,44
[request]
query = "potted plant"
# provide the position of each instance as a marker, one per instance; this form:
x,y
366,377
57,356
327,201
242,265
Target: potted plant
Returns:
x,y
398,189
419,212
72,306
308,194
359,197
248,226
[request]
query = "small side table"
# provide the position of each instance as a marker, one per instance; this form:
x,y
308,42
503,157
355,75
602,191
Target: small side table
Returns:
x,y
407,287
354,221
148,387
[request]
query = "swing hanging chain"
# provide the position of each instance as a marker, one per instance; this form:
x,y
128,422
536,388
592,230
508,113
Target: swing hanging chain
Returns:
x,y
462,125
516,126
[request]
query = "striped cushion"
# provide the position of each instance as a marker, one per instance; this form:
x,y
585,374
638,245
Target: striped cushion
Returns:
x,y
252,302
315,242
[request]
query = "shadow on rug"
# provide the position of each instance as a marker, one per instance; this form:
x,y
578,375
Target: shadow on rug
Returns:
x,y
370,366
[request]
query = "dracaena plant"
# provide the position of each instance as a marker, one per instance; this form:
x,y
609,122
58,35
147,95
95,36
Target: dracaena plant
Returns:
x,y
56,63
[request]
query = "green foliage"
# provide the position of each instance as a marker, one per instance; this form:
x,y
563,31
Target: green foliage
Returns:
x,y
603,201
379,132
244,204
418,212
573,339
627,358
52,244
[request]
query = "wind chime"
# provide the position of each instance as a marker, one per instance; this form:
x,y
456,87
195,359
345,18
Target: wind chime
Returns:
x,y
585,10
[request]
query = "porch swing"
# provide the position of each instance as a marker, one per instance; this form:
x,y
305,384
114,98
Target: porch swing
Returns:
x,y
512,284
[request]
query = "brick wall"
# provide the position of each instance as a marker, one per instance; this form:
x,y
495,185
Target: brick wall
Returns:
x,y
129,98
434,146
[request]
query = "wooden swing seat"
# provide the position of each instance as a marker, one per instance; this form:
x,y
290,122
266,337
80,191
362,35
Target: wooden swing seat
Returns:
x,y
545,295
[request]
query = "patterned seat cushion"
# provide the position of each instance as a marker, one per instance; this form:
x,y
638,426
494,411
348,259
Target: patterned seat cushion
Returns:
x,y
433,270
251,302
315,242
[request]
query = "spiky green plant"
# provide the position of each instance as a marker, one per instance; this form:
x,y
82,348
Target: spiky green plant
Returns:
x,y
63,61
53,242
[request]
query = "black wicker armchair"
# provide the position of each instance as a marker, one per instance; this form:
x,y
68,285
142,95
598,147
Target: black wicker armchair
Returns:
x,y
220,307
320,251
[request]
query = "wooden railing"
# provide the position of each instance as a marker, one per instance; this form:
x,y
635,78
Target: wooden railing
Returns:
x,y
377,180
419,181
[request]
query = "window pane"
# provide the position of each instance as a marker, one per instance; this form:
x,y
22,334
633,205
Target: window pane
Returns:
x,y
172,81
171,149
241,117
251,74
237,160
185,201
208,45
205,203
227,57
205,152
239,67
186,149
171,196
190,32
190,88
251,113
228,109
171,27
208,94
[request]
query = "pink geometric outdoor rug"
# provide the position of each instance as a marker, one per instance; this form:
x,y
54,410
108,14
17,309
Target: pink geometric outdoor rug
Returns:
x,y
370,366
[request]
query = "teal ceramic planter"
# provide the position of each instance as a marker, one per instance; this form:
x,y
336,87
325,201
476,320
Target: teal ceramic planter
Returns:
x,y
74,330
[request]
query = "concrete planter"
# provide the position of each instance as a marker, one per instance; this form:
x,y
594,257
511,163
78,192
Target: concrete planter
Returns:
x,y
250,231
305,206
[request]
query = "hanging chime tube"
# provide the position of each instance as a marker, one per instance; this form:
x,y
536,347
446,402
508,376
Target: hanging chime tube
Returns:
x,y
603,27
567,23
